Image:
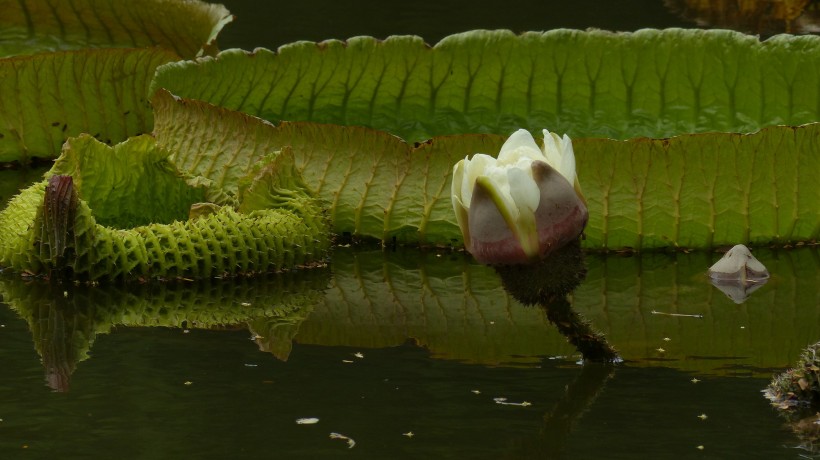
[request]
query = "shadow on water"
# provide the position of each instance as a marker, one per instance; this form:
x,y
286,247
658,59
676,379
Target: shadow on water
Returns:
x,y
547,284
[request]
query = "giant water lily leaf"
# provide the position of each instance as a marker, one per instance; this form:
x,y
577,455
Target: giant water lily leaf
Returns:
x,y
46,98
374,184
691,191
588,84
188,27
702,190
126,212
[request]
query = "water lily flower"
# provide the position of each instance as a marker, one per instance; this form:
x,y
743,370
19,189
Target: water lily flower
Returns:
x,y
524,204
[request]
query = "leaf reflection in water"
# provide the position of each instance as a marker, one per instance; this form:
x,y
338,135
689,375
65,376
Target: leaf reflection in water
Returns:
x,y
65,319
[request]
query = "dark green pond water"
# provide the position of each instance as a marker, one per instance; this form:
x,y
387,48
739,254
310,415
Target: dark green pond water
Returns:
x,y
383,344
223,370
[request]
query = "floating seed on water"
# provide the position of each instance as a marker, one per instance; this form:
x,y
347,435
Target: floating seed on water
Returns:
x,y
350,442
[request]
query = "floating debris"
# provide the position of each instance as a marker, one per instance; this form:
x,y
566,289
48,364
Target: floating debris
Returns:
x,y
695,380
478,392
667,339
409,434
358,355
245,304
738,264
703,416
188,382
251,365
350,442
660,350
797,389
347,361
681,315
307,421
738,273
700,447
503,401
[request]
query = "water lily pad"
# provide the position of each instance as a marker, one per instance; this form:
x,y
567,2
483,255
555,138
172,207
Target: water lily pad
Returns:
x,y
187,27
123,212
49,97
696,191
654,83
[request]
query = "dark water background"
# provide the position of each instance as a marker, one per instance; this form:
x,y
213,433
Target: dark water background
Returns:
x,y
161,392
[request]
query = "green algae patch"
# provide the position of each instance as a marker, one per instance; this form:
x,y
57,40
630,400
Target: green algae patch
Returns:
x,y
126,212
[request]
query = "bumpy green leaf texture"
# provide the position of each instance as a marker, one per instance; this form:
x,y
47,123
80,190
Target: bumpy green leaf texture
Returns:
x,y
692,191
588,84
188,27
132,221
47,98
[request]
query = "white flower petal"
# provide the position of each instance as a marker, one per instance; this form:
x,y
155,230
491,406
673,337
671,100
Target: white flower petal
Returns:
x,y
525,194
552,150
501,226
567,167
519,144
472,169
501,190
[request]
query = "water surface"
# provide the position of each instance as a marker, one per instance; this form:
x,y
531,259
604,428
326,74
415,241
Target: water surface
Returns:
x,y
382,344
